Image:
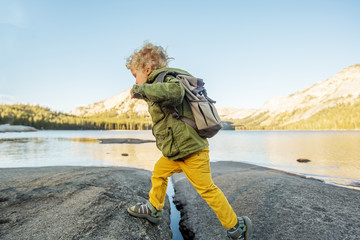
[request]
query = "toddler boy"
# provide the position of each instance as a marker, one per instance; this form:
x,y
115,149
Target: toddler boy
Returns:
x,y
182,148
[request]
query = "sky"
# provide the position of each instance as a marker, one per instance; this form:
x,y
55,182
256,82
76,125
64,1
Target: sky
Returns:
x,y
66,54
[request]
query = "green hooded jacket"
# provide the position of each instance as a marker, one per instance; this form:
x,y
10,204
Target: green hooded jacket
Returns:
x,y
174,138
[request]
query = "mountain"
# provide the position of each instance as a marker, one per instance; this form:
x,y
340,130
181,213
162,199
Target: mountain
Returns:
x,y
123,104
329,104
234,113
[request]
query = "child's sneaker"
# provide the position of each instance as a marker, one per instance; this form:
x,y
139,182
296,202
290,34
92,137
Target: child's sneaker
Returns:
x,y
242,229
147,211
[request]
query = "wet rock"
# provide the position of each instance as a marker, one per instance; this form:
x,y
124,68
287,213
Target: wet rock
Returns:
x,y
124,141
355,184
280,205
16,128
303,160
76,203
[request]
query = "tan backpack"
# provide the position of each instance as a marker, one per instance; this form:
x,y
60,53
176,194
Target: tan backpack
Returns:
x,y
207,120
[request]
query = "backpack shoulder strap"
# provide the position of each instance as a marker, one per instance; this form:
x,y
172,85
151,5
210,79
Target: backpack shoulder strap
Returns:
x,y
161,76
160,79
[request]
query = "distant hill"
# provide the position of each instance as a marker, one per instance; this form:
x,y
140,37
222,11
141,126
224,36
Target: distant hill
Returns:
x,y
230,114
119,105
330,104
122,104
43,118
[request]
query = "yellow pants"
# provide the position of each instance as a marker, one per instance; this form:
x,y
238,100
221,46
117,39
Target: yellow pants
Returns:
x,y
196,167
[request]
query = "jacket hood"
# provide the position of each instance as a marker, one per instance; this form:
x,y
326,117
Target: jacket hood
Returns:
x,y
154,73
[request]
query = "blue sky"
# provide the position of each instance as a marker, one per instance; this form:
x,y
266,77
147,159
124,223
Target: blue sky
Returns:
x,y
65,54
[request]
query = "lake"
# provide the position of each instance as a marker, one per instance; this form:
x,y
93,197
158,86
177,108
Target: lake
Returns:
x,y
334,155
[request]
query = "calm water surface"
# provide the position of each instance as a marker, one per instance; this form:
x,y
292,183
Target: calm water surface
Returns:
x,y
334,155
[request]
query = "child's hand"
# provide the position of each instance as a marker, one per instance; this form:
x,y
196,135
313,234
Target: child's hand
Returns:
x,y
136,94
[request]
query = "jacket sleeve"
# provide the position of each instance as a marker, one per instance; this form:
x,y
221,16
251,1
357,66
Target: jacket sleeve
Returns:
x,y
170,93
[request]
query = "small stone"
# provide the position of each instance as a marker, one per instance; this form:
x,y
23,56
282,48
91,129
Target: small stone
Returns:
x,y
303,160
124,154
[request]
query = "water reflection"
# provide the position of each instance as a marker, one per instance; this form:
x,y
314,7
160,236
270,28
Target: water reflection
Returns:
x,y
51,148
17,149
331,154
139,155
84,140
335,156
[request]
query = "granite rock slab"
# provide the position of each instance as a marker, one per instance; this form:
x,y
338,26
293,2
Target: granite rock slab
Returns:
x,y
76,203
280,205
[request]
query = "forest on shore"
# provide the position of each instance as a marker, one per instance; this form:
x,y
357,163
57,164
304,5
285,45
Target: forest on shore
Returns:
x,y
43,118
343,116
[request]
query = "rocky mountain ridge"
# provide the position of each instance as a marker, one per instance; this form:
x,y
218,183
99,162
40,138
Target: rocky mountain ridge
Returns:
x,y
122,104
337,93
343,88
234,113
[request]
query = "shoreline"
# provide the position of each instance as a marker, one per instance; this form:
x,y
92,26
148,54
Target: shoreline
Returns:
x,y
226,130
4,128
304,176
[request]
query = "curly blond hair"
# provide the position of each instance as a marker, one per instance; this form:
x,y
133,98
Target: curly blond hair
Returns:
x,y
156,56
